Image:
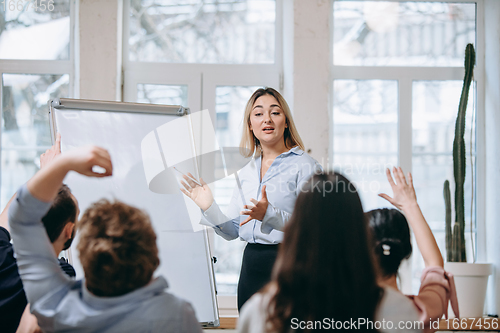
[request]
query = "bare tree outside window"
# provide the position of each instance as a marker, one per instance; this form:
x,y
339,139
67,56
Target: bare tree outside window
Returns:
x,y
25,130
202,31
35,34
29,34
378,33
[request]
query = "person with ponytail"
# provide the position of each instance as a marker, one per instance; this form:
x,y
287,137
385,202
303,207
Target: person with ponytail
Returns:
x,y
391,243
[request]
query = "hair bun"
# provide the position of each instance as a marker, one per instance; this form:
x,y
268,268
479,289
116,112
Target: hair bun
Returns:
x,y
391,237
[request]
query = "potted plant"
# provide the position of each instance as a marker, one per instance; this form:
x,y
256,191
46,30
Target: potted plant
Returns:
x,y
470,278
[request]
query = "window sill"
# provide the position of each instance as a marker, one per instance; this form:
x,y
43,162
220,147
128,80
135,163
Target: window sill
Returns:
x,y
226,323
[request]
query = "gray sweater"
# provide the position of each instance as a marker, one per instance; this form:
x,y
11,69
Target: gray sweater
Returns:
x,y
63,304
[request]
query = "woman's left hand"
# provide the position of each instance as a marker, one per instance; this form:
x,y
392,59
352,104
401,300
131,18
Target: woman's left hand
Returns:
x,y
258,211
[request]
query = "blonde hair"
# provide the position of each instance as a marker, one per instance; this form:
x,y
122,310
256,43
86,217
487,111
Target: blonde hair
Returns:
x,y
117,248
249,144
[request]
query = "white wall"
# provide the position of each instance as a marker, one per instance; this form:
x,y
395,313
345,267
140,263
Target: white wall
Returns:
x,y
100,49
311,74
492,115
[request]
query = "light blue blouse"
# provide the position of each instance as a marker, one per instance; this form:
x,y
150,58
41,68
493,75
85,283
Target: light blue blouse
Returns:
x,y
283,181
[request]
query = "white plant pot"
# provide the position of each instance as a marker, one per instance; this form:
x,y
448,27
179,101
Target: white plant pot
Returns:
x,y
471,281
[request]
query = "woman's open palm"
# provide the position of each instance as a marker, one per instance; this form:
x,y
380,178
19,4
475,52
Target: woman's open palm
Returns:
x,y
201,195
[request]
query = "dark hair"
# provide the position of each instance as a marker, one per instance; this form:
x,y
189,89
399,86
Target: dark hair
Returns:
x,y
391,238
324,267
117,248
62,211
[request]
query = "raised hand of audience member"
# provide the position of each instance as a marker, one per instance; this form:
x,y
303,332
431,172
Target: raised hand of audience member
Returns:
x,y
51,153
84,159
45,183
404,198
403,192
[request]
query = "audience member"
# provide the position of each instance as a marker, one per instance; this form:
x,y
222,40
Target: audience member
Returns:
x,y
59,223
118,254
392,244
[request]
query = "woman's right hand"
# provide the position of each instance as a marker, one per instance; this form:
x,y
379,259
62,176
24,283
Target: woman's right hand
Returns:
x,y
201,195
405,199
404,193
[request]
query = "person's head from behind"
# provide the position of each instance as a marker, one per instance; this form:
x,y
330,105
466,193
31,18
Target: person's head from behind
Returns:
x,y
324,267
60,220
391,239
268,119
117,248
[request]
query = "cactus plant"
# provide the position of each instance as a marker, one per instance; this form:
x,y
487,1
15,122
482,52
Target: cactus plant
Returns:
x,y
455,237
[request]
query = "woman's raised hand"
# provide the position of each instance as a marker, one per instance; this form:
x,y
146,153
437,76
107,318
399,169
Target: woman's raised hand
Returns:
x,y
201,195
403,191
404,198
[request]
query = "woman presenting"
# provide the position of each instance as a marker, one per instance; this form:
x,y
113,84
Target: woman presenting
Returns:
x,y
272,179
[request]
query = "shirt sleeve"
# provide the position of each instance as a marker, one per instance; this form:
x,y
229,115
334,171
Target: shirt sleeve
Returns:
x,y
276,218
437,288
4,235
226,227
253,315
36,260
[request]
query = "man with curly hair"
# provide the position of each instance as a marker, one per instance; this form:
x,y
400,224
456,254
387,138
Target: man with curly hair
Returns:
x,y
118,253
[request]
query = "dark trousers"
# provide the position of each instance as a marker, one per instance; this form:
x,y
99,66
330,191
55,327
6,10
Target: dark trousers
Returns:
x,y
256,268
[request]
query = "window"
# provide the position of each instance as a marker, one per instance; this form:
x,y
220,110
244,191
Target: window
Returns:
x,y
36,64
205,55
209,32
398,69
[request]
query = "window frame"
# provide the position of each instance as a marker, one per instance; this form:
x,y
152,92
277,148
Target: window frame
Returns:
x,y
405,75
45,67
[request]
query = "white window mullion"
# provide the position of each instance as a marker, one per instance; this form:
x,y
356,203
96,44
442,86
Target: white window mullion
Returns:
x,y
125,34
405,123
278,39
72,54
405,149
129,86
